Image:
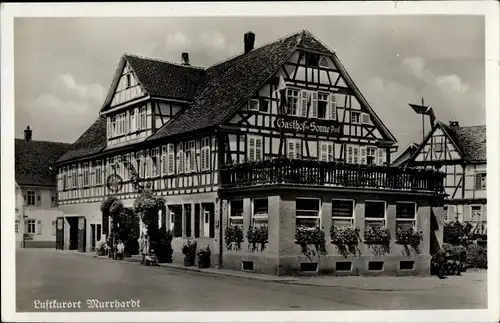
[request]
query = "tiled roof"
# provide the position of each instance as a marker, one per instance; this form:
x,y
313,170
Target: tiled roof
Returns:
x,y
215,93
470,140
33,159
92,141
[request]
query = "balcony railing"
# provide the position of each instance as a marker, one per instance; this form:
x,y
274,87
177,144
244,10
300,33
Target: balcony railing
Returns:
x,y
306,172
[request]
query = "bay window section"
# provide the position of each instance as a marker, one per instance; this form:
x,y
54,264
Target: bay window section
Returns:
x,y
260,212
236,212
307,212
375,214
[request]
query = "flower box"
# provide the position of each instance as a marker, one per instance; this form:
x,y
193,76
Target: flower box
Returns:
x,y
377,235
344,236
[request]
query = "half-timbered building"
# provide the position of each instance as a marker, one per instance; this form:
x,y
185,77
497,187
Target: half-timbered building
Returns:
x,y
279,135
460,153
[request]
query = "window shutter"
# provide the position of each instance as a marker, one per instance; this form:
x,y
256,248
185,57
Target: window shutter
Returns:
x,y
330,151
38,227
333,107
323,152
137,119
164,160
478,182
350,154
258,149
251,149
38,199
380,156
108,121
180,156
314,107
363,156
291,149
192,156
298,152
304,103
356,155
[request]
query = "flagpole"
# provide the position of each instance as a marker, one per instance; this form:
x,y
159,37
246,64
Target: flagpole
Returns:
x,y
423,123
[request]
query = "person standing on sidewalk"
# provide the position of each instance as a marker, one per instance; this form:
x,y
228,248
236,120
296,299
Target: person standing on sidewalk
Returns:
x,y
141,247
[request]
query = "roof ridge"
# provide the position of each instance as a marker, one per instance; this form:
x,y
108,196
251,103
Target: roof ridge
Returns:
x,y
164,61
49,141
259,47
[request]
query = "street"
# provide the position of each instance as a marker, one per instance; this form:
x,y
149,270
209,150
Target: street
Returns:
x,y
45,275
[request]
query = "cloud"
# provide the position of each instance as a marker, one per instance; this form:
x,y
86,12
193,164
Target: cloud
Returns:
x,y
447,83
177,40
79,92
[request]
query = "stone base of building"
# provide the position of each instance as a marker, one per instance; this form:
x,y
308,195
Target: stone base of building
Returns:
x,y
39,244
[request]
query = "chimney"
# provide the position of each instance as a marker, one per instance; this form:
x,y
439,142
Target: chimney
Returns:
x,y
454,124
27,133
249,40
185,59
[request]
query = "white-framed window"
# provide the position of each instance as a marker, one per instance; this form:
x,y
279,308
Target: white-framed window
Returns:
x,y
333,107
143,124
132,121
323,61
375,213
98,172
205,153
294,148
128,80
292,101
355,117
86,174
54,228
30,198
305,98
170,159
365,118
180,158
480,181
164,160
343,213
31,226
141,164
475,213
190,156
74,177
65,178
406,215
137,119
307,212
323,102
371,155
264,106
113,126
236,212
452,212
380,156
253,105
260,212
325,151
254,148
154,161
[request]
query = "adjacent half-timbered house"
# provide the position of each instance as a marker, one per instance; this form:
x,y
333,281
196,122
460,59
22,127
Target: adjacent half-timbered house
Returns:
x,y
460,153
274,136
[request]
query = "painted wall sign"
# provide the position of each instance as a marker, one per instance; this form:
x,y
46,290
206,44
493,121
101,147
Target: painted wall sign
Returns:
x,y
328,128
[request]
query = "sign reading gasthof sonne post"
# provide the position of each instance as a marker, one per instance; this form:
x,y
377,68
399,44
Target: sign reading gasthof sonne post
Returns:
x,y
329,128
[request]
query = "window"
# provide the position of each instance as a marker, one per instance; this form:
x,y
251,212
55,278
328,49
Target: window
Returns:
x,y
312,60
445,213
128,78
164,160
305,100
142,124
236,212
342,213
307,212
113,126
254,148
141,164
17,226
355,156
31,226
75,177
205,154
355,117
31,198
180,158
371,156
480,181
260,212
171,165
294,149
438,147
323,61
187,219
176,216
406,213
323,105
53,200
293,101
54,227
137,119
132,121
333,107
325,151
85,174
365,118
374,214
190,156
98,173
154,162
264,106
65,178
475,213
253,105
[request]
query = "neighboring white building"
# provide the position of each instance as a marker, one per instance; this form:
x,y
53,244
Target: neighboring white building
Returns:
x,y
36,194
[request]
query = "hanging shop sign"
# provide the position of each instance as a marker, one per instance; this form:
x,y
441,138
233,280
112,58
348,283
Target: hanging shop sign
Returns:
x,y
114,183
328,128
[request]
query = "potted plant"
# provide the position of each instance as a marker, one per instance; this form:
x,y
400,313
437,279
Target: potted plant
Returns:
x,y
409,237
233,234
345,238
204,258
189,251
305,236
257,235
377,235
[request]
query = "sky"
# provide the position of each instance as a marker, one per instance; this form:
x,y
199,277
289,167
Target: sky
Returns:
x,y
64,66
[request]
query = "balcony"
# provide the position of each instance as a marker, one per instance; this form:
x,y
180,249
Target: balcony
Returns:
x,y
332,174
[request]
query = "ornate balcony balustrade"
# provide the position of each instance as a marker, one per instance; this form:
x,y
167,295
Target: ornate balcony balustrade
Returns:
x,y
307,172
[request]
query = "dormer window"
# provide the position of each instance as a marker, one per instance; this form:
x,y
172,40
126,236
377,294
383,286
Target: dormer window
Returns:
x,y
128,79
312,60
253,105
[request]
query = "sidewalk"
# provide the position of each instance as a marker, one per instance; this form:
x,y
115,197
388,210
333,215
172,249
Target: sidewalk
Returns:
x,y
383,283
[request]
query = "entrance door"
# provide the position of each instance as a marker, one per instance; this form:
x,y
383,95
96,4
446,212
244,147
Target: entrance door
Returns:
x,y
60,233
82,232
206,222
92,236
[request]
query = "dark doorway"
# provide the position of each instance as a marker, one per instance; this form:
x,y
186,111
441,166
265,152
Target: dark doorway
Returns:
x,y
60,233
92,236
73,232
